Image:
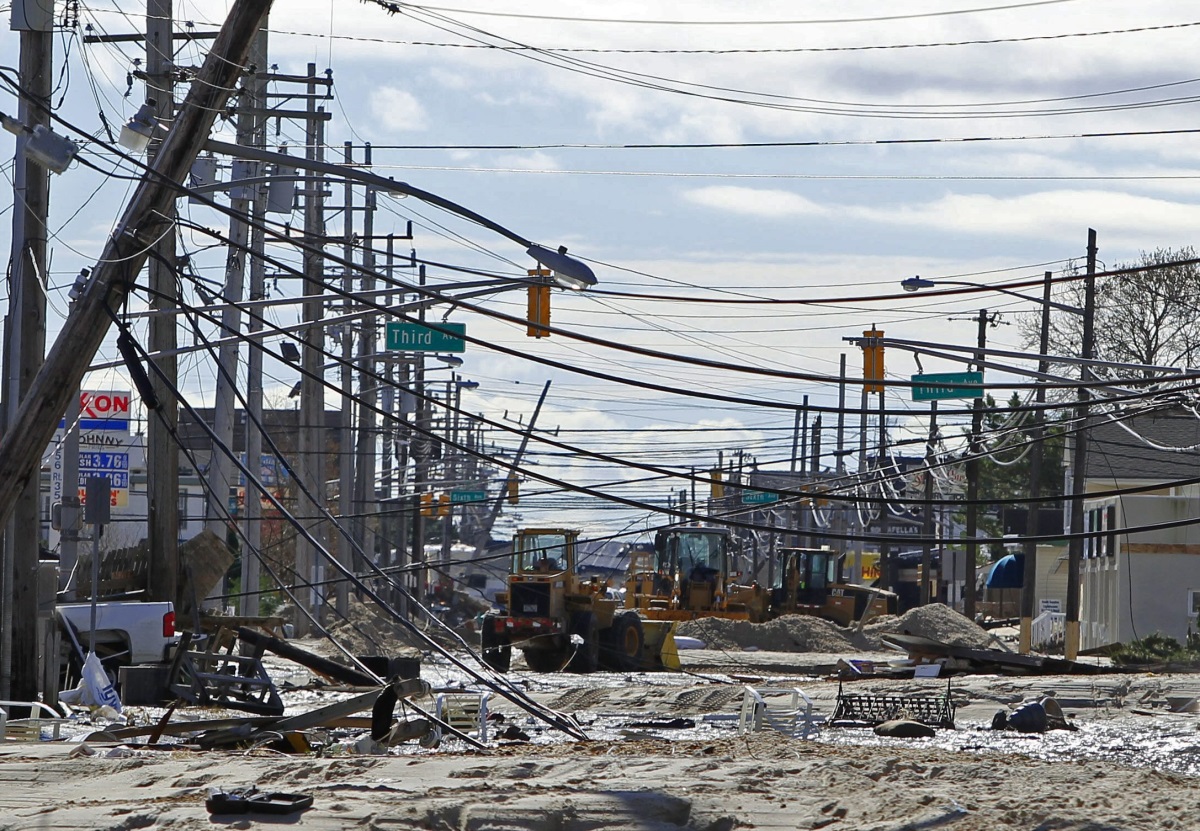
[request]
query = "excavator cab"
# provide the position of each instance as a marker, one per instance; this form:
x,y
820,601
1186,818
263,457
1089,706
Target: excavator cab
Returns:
x,y
544,552
810,583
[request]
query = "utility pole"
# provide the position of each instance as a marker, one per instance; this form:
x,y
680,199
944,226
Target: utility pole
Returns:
x,y
162,450
255,425
1079,459
311,429
24,347
124,254
973,474
885,547
927,526
219,479
347,535
1037,436
366,501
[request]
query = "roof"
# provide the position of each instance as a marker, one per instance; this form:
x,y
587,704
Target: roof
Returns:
x,y
1116,454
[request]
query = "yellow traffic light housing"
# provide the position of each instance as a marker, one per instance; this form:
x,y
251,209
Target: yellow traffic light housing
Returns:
x,y
427,504
443,508
538,315
514,490
717,486
872,348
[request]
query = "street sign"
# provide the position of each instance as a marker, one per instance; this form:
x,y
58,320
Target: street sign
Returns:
x,y
417,337
458,497
759,497
936,386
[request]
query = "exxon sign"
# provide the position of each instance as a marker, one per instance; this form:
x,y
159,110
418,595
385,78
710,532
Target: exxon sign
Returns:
x,y
102,410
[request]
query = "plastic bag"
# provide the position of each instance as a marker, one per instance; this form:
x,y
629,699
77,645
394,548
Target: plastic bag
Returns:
x,y
94,690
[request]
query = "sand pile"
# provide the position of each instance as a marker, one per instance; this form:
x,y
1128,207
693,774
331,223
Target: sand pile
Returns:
x,y
791,633
801,633
368,630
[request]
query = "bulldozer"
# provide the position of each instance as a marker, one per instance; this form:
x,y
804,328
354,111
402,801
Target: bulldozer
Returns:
x,y
688,575
810,582
561,621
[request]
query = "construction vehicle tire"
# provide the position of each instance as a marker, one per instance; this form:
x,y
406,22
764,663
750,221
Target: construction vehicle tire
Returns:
x,y
587,654
623,646
545,660
493,647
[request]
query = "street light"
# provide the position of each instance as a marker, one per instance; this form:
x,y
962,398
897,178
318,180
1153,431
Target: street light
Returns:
x,y
1079,459
918,283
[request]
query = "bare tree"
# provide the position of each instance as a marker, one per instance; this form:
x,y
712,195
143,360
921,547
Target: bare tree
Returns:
x,y
1145,317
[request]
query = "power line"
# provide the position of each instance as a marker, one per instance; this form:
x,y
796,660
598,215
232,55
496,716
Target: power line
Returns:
x,y
394,7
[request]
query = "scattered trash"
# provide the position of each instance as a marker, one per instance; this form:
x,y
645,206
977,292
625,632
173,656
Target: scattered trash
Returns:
x,y
664,724
247,800
1033,717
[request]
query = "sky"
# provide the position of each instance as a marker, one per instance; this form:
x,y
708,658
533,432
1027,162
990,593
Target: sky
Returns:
x,y
699,156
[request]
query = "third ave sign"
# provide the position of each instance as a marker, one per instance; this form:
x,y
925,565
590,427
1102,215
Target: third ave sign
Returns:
x,y
939,385
415,337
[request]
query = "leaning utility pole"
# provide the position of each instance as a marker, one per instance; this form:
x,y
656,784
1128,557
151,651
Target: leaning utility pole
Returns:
x,y
123,256
25,345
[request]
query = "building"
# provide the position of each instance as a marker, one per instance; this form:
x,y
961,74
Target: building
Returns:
x,y
1136,584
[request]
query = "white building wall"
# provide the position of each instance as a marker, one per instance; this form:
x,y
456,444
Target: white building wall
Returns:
x,y
1138,584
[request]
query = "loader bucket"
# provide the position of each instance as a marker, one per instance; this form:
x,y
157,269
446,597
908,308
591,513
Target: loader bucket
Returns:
x,y
658,647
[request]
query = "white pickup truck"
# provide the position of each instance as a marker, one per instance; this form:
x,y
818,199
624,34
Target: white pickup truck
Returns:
x,y
127,631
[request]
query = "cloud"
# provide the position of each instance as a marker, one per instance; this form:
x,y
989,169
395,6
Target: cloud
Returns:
x,y
398,110
777,204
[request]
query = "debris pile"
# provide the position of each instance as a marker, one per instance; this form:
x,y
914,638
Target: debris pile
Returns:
x,y
937,622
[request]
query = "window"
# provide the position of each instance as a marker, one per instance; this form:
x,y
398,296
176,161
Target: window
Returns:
x,y
1193,603
1111,527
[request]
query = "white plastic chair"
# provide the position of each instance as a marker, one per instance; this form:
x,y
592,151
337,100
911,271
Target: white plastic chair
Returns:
x,y
464,711
29,729
788,711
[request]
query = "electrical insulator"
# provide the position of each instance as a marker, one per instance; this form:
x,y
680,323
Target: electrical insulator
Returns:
x,y
514,490
427,504
872,348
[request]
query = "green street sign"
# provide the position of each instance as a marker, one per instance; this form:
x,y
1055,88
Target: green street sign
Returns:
x,y
759,497
458,497
416,337
936,386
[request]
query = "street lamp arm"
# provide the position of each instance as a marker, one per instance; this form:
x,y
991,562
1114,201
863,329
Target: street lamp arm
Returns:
x,y
918,283
569,271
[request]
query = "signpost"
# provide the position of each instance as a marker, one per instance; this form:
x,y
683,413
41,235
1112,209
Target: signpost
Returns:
x,y
941,385
417,337
459,497
758,497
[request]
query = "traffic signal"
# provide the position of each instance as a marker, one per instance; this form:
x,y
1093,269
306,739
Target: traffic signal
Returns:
x,y
538,315
514,490
717,486
427,504
872,348
444,505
